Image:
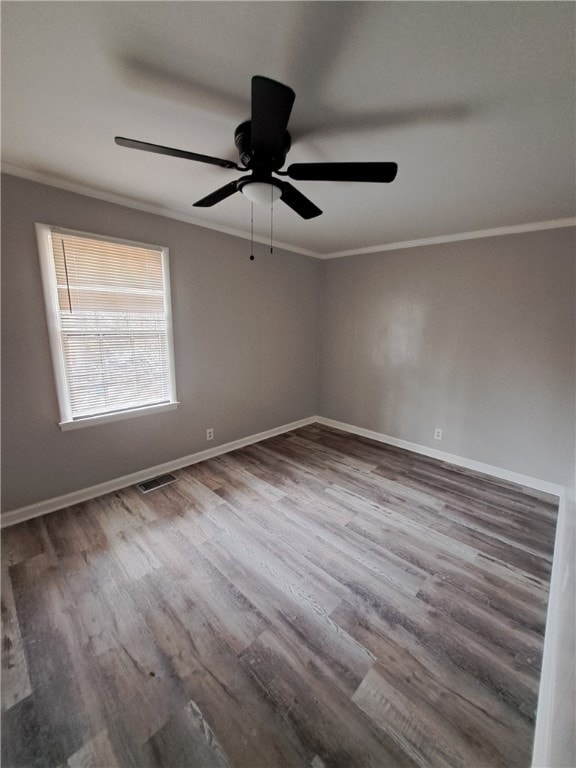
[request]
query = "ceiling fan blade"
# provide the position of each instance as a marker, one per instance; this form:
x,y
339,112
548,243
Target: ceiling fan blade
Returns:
x,y
218,195
379,172
298,202
160,150
271,107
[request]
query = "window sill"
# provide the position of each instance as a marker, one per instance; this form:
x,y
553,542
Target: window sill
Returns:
x,y
107,418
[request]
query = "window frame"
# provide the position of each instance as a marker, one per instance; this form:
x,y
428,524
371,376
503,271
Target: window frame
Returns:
x,y
50,289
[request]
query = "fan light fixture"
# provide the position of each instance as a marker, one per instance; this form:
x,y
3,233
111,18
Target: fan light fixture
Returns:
x,y
262,143
261,192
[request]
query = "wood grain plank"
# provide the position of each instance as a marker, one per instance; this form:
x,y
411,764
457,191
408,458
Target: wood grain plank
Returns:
x,y
75,529
315,599
423,735
186,740
243,721
96,753
15,679
423,672
327,723
22,542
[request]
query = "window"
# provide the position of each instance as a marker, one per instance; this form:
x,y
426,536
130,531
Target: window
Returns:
x,y
109,320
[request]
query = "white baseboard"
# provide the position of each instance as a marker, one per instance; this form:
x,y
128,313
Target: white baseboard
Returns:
x,y
15,516
477,466
76,497
556,710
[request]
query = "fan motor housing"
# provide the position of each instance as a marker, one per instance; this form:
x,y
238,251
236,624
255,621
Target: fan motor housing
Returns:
x,y
264,163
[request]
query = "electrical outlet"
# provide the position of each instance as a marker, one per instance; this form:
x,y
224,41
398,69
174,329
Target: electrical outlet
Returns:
x,y
437,434
210,434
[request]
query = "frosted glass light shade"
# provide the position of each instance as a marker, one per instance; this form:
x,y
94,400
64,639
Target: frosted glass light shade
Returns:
x,y
261,192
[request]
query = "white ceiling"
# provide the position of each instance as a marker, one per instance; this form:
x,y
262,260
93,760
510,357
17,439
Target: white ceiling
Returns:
x,y
475,101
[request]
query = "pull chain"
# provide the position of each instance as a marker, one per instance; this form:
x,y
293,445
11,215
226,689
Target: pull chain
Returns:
x,y
252,231
271,219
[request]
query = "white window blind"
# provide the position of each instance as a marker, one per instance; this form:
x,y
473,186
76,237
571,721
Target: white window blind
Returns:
x,y
112,314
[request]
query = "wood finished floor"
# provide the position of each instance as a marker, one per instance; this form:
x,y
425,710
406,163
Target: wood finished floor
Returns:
x,y
313,600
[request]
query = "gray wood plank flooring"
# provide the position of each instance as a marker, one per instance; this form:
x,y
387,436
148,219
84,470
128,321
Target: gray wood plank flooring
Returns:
x,y
316,599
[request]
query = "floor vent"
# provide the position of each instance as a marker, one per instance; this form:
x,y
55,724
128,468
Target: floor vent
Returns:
x,y
155,482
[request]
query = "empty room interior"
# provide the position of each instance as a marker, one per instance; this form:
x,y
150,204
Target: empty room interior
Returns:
x,y
288,384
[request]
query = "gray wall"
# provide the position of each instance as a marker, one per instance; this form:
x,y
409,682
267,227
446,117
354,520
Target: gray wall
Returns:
x,y
245,337
475,337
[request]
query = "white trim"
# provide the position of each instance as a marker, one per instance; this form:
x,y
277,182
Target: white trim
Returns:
x,y
108,418
169,326
544,729
449,458
127,202
513,229
50,289
157,210
76,497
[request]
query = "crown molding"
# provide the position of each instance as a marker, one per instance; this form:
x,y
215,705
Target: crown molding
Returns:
x,y
513,229
128,202
109,197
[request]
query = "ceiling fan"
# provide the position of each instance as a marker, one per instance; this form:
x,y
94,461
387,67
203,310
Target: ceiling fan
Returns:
x,y
263,143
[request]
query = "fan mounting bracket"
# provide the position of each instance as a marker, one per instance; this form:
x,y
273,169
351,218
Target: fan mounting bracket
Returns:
x,y
263,162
